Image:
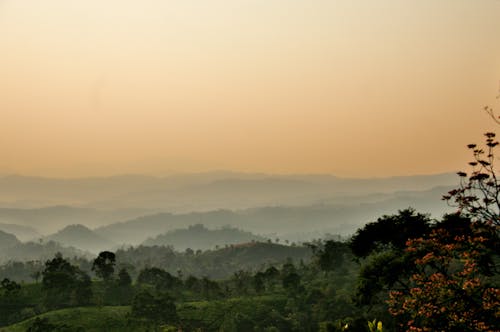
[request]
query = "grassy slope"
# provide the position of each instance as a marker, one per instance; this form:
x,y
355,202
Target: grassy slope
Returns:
x,y
90,319
207,314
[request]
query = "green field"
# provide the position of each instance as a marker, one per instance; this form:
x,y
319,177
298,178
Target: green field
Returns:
x,y
82,318
203,315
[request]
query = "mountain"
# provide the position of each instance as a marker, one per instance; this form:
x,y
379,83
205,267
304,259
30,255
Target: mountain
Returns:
x,y
199,237
81,237
184,193
336,215
50,219
23,233
41,251
7,240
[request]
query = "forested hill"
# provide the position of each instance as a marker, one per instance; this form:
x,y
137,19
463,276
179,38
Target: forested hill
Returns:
x,y
81,237
7,240
222,263
23,233
218,264
35,251
199,237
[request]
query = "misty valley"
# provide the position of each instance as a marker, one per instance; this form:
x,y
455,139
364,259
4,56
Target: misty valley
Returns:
x,y
249,166
226,252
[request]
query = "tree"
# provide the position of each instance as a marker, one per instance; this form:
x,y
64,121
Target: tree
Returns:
x,y
381,245
478,193
124,279
449,292
456,286
389,232
154,310
9,287
160,279
290,279
241,280
36,276
330,255
104,265
65,284
491,112
258,282
209,287
271,276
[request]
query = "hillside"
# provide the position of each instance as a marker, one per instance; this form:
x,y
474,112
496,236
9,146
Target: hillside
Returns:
x,y
295,223
199,237
81,237
49,219
196,314
23,233
219,264
87,319
7,240
33,251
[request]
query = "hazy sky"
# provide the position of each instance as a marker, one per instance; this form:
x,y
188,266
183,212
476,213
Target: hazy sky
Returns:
x,y
354,88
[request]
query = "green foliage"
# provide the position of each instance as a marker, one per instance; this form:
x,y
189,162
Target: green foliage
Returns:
x,y
375,326
124,279
331,255
40,325
9,287
159,278
390,231
65,284
155,310
43,325
104,265
88,319
215,264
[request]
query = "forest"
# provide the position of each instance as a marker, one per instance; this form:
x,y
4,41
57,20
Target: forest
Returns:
x,y
399,272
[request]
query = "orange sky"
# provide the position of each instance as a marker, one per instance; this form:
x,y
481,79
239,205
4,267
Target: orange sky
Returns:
x,y
354,88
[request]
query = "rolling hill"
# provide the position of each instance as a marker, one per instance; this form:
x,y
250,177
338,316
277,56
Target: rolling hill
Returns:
x,y
7,240
341,216
23,233
200,237
81,237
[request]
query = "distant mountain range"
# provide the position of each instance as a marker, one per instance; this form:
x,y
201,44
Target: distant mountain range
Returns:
x,y
199,192
32,223
295,223
94,214
220,227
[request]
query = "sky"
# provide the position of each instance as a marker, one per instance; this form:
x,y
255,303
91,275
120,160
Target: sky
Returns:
x,y
353,88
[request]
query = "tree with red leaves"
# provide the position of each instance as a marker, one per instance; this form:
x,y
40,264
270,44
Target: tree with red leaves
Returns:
x,y
456,283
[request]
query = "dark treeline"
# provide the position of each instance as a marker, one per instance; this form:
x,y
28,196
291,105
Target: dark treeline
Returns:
x,y
219,263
